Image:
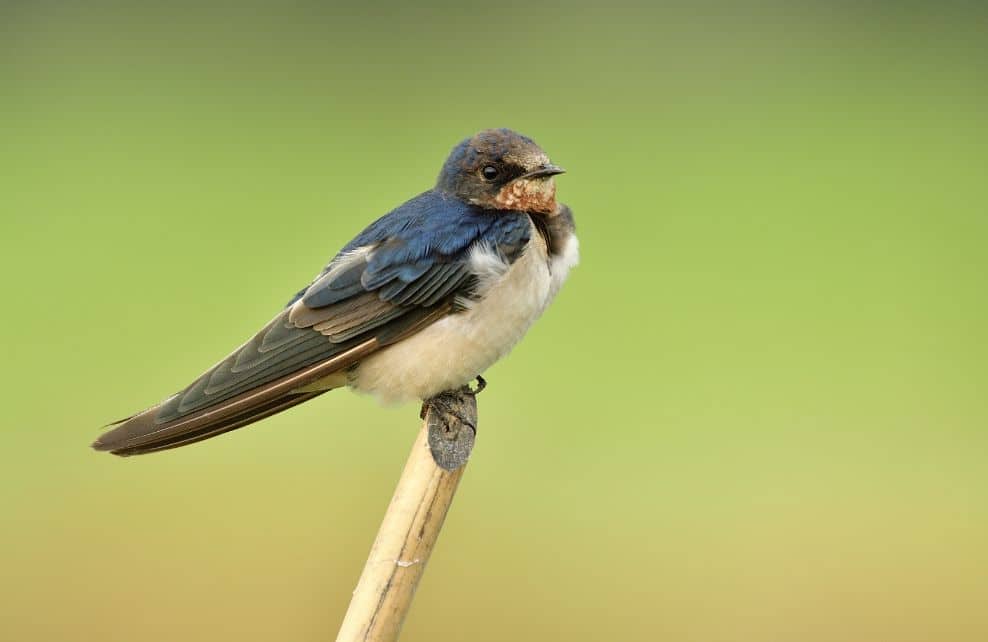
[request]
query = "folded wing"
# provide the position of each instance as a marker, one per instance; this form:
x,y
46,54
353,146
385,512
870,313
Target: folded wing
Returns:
x,y
404,272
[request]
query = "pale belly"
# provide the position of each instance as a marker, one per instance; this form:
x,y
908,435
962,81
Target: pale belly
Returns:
x,y
457,348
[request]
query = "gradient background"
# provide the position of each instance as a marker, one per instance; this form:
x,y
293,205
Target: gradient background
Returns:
x,y
757,412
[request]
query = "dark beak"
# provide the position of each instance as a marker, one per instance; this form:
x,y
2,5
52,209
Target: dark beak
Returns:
x,y
544,172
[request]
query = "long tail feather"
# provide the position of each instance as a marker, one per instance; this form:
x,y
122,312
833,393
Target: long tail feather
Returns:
x,y
145,432
207,431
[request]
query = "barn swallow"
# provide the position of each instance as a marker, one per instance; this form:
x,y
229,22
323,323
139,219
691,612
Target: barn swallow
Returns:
x,y
422,301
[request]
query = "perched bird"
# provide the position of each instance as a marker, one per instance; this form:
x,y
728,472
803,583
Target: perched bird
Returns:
x,y
422,301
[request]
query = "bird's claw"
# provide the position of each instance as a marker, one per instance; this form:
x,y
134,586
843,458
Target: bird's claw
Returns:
x,y
466,389
481,384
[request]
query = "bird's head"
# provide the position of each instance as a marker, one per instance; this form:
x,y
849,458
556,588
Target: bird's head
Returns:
x,y
501,169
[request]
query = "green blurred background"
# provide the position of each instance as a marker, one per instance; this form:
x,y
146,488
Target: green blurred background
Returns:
x,y
757,412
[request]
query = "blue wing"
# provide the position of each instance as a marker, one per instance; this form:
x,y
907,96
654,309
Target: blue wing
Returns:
x,y
418,253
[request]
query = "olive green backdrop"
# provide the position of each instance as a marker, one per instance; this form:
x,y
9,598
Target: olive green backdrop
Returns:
x,y
756,412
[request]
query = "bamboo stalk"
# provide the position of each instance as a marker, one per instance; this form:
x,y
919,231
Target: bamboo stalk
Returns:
x,y
413,520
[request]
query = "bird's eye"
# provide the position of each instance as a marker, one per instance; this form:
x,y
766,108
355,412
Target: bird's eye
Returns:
x,y
489,172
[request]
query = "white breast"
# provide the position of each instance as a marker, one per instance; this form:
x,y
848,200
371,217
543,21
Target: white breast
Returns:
x,y
457,348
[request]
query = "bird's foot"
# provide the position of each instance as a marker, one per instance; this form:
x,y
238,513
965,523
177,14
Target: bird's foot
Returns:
x,y
466,389
481,384
453,407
